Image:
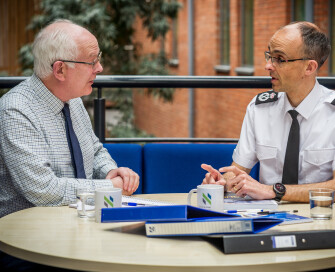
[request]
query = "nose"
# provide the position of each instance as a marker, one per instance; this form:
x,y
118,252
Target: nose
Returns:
x,y
269,65
98,69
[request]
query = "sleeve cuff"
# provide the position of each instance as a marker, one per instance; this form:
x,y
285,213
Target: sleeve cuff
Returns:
x,y
243,161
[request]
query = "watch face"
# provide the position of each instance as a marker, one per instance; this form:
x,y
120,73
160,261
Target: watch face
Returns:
x,y
280,187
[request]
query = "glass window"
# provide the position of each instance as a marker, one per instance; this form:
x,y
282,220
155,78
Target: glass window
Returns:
x,y
174,43
175,38
298,13
224,32
247,45
332,37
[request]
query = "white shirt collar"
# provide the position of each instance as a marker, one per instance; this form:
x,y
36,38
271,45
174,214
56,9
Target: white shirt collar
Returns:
x,y
306,107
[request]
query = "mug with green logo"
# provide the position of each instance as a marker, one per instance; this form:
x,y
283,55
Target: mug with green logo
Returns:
x,y
209,196
106,198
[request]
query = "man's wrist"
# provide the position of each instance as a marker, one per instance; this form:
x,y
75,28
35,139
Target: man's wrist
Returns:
x,y
279,190
272,193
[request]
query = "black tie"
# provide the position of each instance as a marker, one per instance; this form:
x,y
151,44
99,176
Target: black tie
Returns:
x,y
72,140
291,163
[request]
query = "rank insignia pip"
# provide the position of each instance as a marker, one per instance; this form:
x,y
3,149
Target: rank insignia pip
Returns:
x,y
266,97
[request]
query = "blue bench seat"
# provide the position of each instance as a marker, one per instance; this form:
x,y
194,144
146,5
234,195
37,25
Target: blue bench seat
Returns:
x,y
172,168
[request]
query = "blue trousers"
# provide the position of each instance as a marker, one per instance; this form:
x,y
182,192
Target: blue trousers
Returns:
x,y
9,263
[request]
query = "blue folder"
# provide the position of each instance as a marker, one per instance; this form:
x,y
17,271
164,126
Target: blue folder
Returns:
x,y
184,214
158,213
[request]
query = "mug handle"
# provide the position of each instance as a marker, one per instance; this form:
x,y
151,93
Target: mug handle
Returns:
x,y
190,195
84,199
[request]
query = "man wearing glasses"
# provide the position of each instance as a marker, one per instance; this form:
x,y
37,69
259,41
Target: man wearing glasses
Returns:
x,y
47,146
290,129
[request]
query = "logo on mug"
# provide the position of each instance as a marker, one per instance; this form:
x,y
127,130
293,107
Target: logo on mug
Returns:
x,y
108,202
206,199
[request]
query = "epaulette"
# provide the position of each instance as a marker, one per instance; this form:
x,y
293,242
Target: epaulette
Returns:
x,y
266,97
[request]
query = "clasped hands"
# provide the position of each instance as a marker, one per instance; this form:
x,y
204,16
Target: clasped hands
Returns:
x,y
237,181
124,178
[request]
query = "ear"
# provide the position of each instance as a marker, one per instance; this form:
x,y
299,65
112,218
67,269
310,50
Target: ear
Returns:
x,y
59,70
311,67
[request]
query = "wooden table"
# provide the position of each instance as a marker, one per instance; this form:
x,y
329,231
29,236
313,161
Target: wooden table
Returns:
x,y
56,236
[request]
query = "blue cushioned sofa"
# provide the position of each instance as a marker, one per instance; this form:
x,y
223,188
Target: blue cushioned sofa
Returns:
x,y
172,168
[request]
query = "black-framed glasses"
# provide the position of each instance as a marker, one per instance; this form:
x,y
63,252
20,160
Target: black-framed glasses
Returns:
x,y
93,63
278,61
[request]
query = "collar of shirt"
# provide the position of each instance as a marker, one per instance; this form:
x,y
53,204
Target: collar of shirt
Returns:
x,y
306,107
45,95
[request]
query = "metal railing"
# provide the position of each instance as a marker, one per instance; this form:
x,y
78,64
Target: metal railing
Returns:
x,y
223,82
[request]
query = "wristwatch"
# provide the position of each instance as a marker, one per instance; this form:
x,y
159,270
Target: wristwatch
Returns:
x,y
279,190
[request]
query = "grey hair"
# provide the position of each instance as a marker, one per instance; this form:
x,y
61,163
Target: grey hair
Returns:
x,y
316,44
52,44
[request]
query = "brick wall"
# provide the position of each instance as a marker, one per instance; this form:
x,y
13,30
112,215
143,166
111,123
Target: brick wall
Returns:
x,y
321,13
153,115
218,113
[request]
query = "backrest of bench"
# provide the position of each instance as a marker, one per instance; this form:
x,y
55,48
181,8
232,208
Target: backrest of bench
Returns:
x,y
172,168
175,168
128,155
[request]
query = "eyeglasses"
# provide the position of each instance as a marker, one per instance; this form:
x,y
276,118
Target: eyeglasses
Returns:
x,y
93,63
279,61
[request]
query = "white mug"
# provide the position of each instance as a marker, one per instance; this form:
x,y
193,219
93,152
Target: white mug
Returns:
x,y
107,198
209,196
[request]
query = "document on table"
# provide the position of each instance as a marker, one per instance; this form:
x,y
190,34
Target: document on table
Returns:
x,y
289,218
234,202
137,201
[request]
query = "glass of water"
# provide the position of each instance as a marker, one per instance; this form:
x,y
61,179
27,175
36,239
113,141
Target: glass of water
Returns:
x,y
321,203
85,200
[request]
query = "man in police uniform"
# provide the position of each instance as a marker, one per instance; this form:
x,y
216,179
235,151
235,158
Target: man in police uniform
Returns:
x,y
295,54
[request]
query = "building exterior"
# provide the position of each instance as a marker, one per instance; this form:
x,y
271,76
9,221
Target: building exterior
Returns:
x,y
229,39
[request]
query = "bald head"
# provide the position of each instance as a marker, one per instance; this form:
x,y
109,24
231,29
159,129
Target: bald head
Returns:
x,y
72,29
315,44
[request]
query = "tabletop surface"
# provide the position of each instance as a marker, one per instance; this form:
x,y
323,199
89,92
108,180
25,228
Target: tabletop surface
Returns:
x,y
57,236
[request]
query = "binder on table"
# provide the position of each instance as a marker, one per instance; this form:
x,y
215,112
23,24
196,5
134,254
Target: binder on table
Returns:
x,y
158,213
207,226
276,241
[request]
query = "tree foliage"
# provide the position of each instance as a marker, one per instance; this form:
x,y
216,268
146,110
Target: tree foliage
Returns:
x,y
112,22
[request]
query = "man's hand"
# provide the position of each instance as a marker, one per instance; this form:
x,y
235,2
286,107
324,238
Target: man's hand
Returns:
x,y
243,184
130,180
213,176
